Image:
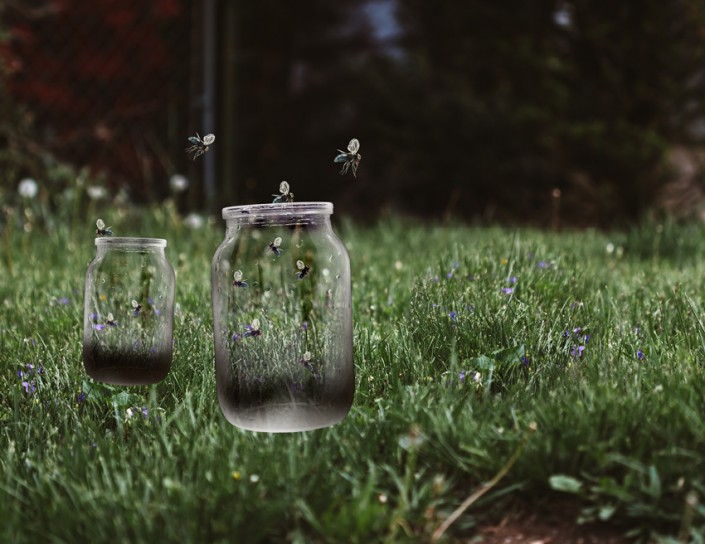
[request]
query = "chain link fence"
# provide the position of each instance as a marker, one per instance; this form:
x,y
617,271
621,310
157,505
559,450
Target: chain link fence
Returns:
x,y
111,85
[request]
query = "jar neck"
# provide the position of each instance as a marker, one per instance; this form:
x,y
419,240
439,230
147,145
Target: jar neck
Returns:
x,y
286,214
135,245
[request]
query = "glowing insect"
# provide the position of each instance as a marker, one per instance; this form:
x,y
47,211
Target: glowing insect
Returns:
x,y
303,269
101,230
351,159
109,322
237,279
285,195
306,360
199,145
274,246
137,307
253,328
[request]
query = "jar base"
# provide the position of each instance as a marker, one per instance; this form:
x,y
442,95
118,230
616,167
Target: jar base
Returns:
x,y
285,418
125,368
128,376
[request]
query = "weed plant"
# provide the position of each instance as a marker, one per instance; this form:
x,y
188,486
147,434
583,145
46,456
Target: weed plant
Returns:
x,y
464,339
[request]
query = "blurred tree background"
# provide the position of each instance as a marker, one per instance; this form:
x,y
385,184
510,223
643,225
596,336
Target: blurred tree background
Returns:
x,y
502,112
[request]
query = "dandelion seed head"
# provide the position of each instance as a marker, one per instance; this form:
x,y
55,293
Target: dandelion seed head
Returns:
x,y
96,192
178,183
28,188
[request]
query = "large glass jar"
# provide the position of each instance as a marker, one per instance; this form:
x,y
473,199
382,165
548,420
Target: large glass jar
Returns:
x,y
282,318
128,316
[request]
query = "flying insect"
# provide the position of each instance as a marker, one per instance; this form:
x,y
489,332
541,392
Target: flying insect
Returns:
x,y
199,146
303,269
351,159
101,229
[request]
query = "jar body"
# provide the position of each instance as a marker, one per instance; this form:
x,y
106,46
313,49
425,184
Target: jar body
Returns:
x,y
282,319
128,316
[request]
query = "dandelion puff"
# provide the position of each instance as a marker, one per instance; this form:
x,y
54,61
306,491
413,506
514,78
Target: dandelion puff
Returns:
x,y
28,188
178,183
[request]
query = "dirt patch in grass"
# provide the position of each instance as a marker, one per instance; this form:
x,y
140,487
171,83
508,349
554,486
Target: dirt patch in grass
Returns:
x,y
553,524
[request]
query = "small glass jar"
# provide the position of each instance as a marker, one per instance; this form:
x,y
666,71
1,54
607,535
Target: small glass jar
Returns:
x,y
282,318
128,318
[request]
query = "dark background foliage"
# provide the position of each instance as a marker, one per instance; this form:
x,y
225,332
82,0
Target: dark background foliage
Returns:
x,y
471,109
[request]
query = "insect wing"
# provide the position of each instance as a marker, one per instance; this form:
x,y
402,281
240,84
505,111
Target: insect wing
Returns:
x,y
354,146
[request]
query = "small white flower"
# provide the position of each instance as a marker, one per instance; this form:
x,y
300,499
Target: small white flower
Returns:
x,y
178,183
28,188
193,221
96,192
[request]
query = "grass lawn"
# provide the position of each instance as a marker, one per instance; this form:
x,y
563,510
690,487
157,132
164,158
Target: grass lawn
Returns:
x,y
575,363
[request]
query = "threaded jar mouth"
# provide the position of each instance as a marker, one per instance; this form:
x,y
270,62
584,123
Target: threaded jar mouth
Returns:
x,y
122,241
277,210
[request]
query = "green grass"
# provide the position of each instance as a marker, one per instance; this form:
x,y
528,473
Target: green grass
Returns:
x,y
623,436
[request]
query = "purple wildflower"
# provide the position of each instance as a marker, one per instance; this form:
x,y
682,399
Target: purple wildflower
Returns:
x,y
577,351
29,387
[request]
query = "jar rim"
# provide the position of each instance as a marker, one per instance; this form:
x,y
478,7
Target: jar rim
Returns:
x,y
124,241
305,208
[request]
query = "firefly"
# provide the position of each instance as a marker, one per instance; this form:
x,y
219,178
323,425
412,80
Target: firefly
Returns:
x,y
351,159
306,360
274,246
101,229
237,279
285,195
253,328
303,269
199,146
109,322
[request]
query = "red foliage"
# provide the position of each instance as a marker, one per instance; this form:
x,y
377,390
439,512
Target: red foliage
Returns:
x,y
85,65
